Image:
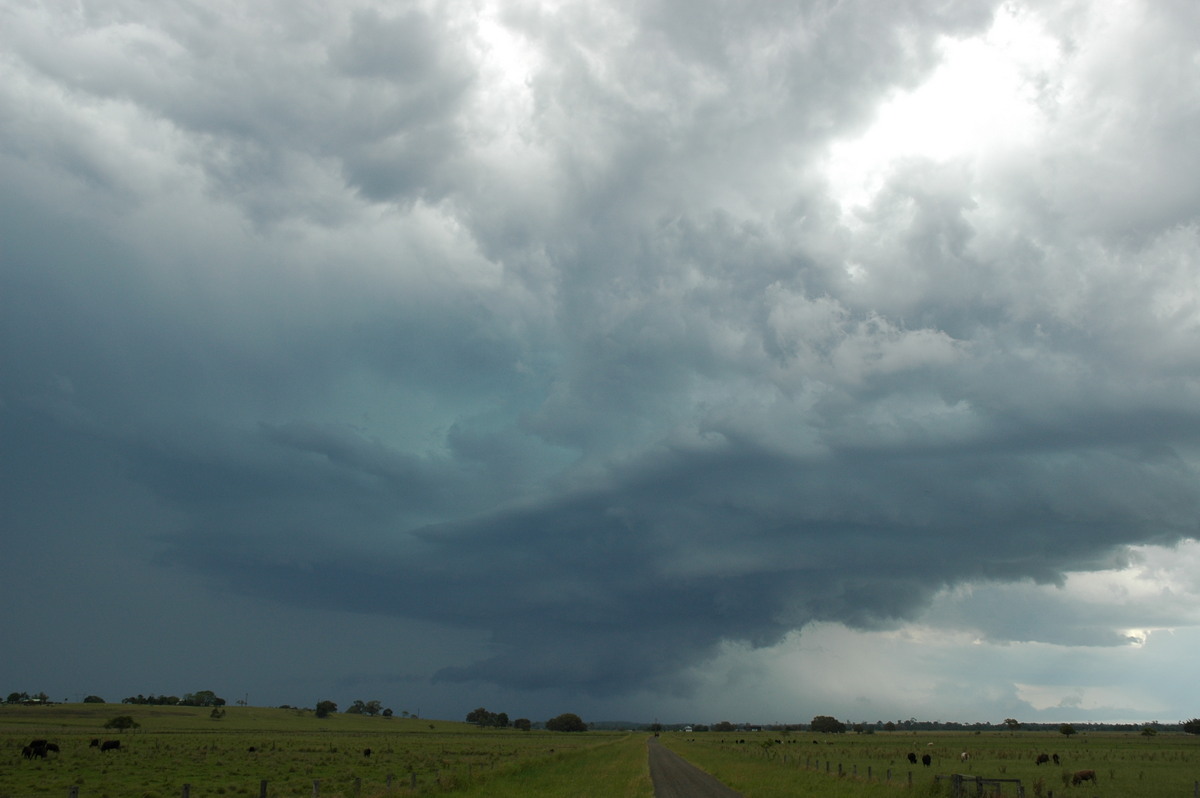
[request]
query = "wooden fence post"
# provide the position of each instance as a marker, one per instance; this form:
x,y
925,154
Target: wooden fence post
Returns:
x,y
187,791
262,789
316,788
73,791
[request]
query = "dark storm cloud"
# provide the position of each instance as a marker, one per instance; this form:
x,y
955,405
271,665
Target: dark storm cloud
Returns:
x,y
580,351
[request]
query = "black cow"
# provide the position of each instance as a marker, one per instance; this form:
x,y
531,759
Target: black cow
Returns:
x,y
366,752
110,745
912,758
1042,759
1055,758
38,748
926,760
95,743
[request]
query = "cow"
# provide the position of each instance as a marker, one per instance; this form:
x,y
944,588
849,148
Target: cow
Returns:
x,y
1080,776
1042,759
38,748
366,752
110,745
1055,758
964,757
95,743
912,758
926,760
52,747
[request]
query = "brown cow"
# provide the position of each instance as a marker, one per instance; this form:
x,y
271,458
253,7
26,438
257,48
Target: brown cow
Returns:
x,y
1080,776
1042,759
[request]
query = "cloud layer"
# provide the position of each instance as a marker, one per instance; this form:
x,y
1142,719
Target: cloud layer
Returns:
x,y
559,327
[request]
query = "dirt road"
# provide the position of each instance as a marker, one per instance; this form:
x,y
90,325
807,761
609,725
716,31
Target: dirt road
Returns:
x,y
675,777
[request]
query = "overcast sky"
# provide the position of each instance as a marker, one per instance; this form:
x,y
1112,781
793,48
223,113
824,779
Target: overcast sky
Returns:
x,y
692,360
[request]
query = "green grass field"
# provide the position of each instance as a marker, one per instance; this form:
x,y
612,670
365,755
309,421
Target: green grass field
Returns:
x,y
876,765
183,745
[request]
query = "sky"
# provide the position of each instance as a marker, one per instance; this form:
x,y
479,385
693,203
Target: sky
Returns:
x,y
695,360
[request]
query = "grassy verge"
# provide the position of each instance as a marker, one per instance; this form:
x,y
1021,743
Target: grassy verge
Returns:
x,y
613,769
756,776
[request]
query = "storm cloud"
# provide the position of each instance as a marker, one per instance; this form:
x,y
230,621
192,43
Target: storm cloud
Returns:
x,y
554,325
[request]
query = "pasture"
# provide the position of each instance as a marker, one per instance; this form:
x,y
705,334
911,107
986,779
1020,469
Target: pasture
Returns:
x,y
876,765
174,746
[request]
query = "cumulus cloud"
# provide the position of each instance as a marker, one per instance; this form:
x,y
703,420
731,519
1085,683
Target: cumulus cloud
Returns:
x,y
565,327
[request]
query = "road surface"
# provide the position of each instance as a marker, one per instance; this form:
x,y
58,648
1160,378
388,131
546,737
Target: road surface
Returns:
x,y
675,777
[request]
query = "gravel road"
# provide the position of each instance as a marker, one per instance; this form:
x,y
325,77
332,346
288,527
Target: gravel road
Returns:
x,y
675,777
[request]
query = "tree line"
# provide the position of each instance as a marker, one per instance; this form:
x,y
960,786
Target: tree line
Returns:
x,y
566,722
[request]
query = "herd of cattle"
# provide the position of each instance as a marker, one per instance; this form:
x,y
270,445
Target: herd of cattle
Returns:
x,y
1077,778
38,749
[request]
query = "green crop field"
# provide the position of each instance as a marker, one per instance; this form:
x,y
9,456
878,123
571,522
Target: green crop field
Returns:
x,y
177,746
876,765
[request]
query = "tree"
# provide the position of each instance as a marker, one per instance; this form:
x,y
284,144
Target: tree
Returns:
x,y
827,724
325,708
723,726
1012,723
1192,726
522,724
357,708
1066,729
204,698
387,713
566,722
94,699
122,722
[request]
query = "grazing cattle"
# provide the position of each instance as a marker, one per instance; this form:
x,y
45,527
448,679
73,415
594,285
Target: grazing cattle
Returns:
x,y
1080,776
912,758
1042,759
366,752
251,750
110,745
1055,758
964,756
95,743
926,760
38,748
